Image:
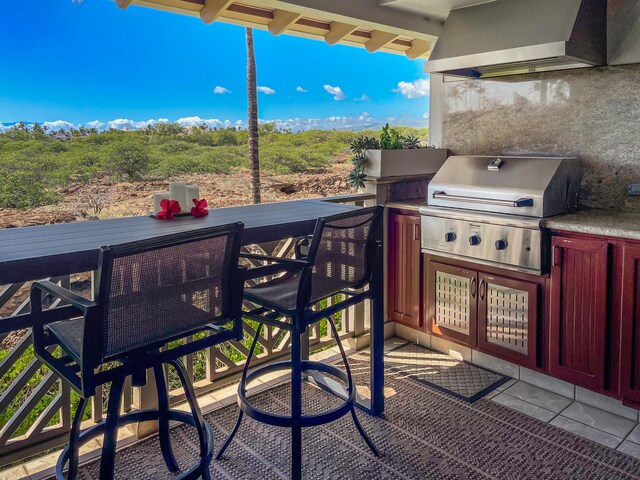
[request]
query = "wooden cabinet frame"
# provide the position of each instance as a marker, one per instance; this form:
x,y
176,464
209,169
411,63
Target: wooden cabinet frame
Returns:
x,y
479,275
630,324
579,310
404,278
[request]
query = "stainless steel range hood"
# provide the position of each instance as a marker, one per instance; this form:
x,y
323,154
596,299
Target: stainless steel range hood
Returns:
x,y
508,37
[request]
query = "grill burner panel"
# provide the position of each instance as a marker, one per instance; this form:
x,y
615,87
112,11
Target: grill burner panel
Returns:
x,y
473,238
484,238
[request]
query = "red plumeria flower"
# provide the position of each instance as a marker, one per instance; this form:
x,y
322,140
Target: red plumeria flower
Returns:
x,y
169,209
200,208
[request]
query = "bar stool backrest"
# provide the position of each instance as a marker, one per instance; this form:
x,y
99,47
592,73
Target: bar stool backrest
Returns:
x,y
155,290
342,251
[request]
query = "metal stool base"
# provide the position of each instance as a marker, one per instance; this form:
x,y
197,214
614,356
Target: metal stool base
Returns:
x,y
296,421
198,470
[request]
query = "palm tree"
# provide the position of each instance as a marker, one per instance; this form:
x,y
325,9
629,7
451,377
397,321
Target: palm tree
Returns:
x,y
252,113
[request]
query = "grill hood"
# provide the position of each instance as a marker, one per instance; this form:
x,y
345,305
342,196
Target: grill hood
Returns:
x,y
508,37
526,186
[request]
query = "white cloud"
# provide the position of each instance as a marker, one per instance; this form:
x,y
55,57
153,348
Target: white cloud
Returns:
x,y
417,89
301,90
363,98
336,91
58,124
125,123
267,90
220,90
209,122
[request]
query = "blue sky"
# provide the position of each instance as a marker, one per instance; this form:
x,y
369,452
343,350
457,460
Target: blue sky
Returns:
x,y
94,64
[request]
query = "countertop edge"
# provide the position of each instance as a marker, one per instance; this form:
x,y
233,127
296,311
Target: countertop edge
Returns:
x,y
412,205
605,223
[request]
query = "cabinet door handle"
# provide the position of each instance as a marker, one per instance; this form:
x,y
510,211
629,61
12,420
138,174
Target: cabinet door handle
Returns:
x,y
483,289
416,232
557,256
474,289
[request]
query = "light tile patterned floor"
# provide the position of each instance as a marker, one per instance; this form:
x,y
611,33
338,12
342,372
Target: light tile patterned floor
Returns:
x,y
584,420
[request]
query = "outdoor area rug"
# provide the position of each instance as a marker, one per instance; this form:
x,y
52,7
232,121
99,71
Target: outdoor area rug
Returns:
x,y
424,434
439,370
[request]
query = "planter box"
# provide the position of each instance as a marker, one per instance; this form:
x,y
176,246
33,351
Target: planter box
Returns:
x,y
400,163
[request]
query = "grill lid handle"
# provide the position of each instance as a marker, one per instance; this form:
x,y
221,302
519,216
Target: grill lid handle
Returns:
x,y
521,202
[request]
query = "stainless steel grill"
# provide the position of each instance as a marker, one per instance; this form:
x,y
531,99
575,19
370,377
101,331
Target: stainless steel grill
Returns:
x,y
489,209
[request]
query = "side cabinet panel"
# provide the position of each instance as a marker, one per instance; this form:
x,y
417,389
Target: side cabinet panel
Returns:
x,y
630,324
578,311
404,278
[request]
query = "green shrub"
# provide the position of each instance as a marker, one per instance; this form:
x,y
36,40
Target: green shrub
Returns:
x,y
58,146
24,189
127,158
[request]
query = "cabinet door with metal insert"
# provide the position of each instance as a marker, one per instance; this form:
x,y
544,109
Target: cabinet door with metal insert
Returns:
x,y
507,318
451,302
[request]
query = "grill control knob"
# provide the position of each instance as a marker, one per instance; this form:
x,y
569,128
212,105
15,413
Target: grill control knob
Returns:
x,y
474,240
449,237
501,244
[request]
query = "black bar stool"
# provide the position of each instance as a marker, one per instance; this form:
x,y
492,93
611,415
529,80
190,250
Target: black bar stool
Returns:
x,y
338,259
149,293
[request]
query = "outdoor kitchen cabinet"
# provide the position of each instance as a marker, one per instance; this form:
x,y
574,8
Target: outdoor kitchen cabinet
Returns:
x,y
451,293
578,310
508,318
404,269
630,323
492,310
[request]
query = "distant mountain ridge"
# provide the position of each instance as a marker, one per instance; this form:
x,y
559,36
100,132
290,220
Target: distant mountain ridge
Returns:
x,y
11,124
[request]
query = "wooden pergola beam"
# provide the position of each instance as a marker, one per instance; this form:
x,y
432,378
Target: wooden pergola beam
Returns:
x,y
213,9
338,31
378,40
123,3
292,17
418,48
282,20
365,13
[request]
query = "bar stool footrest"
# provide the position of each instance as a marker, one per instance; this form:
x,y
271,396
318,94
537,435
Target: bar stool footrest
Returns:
x,y
286,420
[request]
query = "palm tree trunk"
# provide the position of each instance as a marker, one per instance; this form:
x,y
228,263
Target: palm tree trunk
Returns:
x,y
252,112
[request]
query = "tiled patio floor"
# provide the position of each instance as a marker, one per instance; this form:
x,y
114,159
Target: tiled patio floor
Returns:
x,y
606,428
613,431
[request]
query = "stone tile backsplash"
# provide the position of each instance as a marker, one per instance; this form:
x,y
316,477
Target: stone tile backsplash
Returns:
x,y
593,113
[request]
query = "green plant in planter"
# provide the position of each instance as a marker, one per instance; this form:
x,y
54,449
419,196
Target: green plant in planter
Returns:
x,y
390,139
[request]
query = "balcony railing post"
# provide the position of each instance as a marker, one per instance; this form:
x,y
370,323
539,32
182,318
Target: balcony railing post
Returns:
x,y
146,398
